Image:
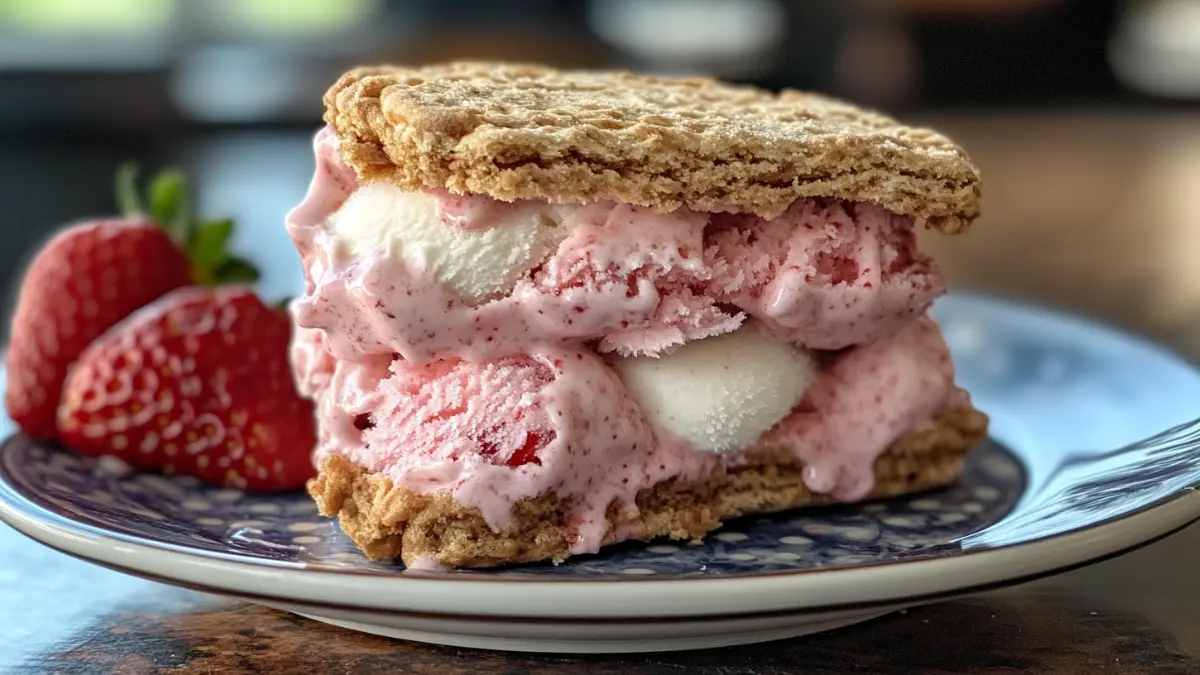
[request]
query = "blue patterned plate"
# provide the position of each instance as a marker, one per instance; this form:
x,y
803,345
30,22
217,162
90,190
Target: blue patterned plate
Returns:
x,y
1079,469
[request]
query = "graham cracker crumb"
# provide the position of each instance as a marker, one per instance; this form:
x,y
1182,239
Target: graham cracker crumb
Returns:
x,y
513,131
390,523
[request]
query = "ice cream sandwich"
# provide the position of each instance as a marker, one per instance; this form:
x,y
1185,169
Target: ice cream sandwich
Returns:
x,y
547,311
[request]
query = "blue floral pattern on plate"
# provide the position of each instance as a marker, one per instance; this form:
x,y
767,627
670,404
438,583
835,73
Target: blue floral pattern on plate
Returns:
x,y
286,529
1062,394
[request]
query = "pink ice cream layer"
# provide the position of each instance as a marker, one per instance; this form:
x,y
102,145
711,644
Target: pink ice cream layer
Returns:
x,y
823,275
560,421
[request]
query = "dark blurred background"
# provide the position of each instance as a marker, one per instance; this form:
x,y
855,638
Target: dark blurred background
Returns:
x,y
230,89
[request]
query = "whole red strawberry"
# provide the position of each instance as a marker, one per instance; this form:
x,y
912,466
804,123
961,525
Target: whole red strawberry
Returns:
x,y
96,273
197,383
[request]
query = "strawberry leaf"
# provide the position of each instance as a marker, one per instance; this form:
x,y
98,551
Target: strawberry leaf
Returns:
x,y
236,271
205,242
208,247
169,206
129,202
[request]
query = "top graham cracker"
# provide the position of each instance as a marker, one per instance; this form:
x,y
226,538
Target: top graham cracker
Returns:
x,y
527,132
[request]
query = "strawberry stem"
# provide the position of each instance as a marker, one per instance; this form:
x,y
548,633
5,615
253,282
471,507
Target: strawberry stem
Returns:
x,y
206,242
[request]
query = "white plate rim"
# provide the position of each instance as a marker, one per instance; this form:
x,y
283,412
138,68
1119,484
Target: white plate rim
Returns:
x,y
480,597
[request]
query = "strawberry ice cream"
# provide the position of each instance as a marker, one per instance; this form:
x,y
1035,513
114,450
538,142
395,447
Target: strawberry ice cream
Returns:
x,y
499,352
827,275
866,398
499,432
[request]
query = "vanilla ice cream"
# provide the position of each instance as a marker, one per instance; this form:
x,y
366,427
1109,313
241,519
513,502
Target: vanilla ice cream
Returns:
x,y
474,264
720,393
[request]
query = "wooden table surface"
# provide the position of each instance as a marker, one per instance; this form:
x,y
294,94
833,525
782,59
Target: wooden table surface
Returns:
x,y
1094,213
